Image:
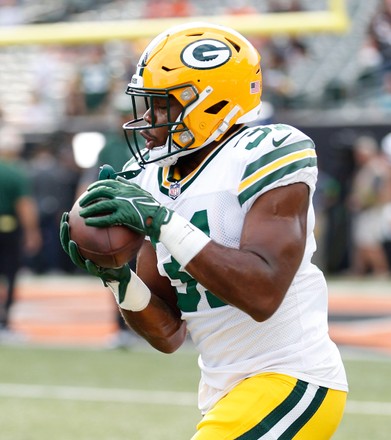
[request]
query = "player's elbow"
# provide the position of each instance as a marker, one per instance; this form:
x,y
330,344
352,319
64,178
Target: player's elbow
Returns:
x,y
167,347
170,343
264,308
260,315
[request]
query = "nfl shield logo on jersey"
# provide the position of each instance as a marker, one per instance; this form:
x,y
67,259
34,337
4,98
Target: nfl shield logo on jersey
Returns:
x,y
175,190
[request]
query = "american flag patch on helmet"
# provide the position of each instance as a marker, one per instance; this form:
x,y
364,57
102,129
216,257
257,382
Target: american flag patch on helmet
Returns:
x,y
255,87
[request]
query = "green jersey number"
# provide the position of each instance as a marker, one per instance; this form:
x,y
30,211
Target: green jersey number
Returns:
x,y
188,302
264,131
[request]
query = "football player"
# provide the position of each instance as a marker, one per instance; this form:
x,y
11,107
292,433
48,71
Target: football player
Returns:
x,y
226,207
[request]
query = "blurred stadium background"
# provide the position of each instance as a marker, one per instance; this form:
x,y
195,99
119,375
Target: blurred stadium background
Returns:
x,y
65,64
64,67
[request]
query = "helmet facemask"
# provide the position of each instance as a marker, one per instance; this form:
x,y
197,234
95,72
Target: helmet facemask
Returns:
x,y
212,71
179,137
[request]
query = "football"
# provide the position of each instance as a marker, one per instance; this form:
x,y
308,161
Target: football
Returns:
x,y
109,247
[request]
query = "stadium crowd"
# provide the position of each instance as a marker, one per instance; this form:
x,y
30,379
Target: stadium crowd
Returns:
x,y
50,93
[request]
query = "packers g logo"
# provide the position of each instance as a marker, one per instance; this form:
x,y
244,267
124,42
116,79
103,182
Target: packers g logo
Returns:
x,y
206,54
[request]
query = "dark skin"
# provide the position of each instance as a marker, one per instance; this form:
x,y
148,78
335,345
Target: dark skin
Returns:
x,y
253,278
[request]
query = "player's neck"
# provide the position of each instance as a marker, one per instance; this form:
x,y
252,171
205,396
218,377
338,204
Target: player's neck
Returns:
x,y
187,164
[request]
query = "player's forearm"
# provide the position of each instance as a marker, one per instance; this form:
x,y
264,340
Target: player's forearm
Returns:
x,y
256,284
242,279
158,325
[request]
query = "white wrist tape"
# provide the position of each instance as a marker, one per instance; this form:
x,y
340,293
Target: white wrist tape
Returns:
x,y
182,239
137,295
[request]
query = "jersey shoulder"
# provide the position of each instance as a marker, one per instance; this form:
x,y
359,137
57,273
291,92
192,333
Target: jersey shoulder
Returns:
x,y
274,155
260,139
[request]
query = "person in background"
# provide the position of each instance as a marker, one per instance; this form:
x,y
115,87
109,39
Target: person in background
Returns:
x,y
385,148
52,187
366,203
380,33
91,88
19,222
227,212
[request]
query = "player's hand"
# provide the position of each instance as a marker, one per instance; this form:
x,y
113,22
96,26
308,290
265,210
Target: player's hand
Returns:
x,y
119,202
121,275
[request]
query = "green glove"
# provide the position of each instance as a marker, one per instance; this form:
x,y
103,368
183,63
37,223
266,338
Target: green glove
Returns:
x,y
106,172
119,202
121,275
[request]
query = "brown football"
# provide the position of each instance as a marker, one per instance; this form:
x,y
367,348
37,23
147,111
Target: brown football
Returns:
x,y
109,247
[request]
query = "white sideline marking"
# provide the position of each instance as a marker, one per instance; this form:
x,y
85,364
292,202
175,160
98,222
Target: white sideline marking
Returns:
x,y
97,394
178,398
363,407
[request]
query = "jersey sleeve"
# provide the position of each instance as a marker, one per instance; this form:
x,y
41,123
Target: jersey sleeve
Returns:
x,y
278,155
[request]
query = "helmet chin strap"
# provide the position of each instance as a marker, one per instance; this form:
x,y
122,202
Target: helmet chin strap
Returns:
x,y
223,127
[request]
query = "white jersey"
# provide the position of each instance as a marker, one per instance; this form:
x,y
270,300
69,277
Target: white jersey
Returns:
x,y
216,198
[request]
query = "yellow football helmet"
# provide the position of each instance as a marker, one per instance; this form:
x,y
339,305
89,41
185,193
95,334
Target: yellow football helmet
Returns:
x,y
213,71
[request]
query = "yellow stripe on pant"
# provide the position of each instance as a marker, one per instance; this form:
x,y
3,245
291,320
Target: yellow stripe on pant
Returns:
x,y
273,406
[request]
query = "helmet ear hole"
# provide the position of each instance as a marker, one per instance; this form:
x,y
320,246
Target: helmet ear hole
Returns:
x,y
216,108
236,46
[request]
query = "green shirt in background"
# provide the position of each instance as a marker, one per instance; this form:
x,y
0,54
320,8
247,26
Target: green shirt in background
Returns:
x,y
14,184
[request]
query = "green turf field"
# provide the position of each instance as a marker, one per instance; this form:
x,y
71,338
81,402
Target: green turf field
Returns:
x,y
140,394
